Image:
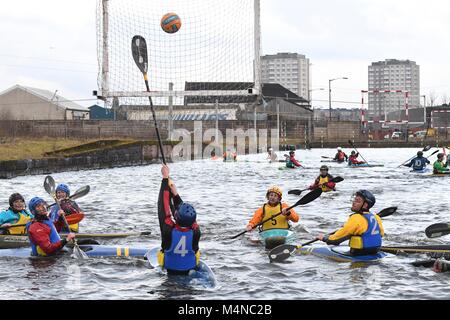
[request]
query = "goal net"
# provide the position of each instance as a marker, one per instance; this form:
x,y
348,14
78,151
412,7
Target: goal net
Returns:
x,y
215,53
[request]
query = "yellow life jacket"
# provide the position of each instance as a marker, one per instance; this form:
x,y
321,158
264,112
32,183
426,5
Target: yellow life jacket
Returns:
x,y
323,181
20,230
280,222
75,227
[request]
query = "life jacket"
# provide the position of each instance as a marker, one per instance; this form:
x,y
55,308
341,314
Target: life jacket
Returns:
x,y
323,181
370,239
180,256
36,251
341,156
69,209
23,219
280,222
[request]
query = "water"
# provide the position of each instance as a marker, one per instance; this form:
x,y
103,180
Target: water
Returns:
x,y
226,195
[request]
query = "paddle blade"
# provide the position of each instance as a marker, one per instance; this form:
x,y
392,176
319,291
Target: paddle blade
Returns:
x,y
49,185
427,148
310,197
80,193
282,253
438,230
387,212
296,192
78,253
337,180
139,50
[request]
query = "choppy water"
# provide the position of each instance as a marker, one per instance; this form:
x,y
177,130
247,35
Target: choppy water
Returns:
x,y
226,195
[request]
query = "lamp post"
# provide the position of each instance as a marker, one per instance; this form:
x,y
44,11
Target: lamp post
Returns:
x,y
424,110
329,87
310,96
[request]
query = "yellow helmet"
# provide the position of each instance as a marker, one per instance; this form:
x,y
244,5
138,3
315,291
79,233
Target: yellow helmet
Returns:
x,y
276,190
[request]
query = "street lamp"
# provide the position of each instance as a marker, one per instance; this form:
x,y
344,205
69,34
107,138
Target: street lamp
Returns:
x,y
329,87
424,110
310,96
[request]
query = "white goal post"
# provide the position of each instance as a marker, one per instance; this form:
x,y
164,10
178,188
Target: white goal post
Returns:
x,y
219,42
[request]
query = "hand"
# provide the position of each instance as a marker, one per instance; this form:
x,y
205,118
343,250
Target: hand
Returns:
x,y
61,213
165,171
70,237
173,188
6,225
249,227
285,212
320,237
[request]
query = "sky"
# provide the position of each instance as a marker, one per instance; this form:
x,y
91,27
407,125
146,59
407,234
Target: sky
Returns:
x,y
51,44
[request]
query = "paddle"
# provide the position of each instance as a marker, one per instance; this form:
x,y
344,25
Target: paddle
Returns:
x,y
437,230
433,249
427,148
354,147
323,157
77,195
284,252
310,197
49,186
140,56
299,192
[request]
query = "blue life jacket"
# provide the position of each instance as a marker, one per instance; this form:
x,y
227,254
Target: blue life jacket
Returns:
x,y
372,237
54,237
419,164
180,256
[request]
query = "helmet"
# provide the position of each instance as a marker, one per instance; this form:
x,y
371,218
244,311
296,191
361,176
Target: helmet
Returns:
x,y
367,196
34,203
291,152
14,197
324,168
186,215
276,190
353,152
64,188
339,149
270,149
441,156
420,154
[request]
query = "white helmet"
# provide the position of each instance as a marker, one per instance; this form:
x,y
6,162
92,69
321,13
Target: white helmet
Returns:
x,y
339,149
270,149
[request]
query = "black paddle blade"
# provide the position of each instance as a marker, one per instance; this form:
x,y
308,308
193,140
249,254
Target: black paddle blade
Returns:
x,y
49,185
387,212
337,180
296,192
282,253
310,197
81,193
438,230
140,55
427,148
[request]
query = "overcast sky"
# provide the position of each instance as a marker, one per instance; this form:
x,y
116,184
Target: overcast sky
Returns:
x,y
51,44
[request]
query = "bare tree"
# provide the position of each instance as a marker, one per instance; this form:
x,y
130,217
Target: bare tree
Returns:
x,y
432,97
445,99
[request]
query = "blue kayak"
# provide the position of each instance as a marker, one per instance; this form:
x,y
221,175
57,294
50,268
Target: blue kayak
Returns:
x,y
339,254
425,170
90,250
366,165
202,275
276,237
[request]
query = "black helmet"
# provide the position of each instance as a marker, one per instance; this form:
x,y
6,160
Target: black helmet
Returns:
x,y
441,156
420,154
324,168
367,196
14,197
353,152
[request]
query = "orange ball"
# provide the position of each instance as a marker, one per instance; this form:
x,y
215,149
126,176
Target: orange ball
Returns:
x,y
171,23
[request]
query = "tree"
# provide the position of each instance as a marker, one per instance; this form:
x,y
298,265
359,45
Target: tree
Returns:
x,y
432,97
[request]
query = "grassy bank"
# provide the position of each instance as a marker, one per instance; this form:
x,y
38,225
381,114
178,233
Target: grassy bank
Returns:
x,y
19,149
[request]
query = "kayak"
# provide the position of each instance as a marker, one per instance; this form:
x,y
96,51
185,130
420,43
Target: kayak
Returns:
x,y
202,275
287,168
276,237
444,249
425,170
22,241
332,161
441,174
91,251
339,254
366,165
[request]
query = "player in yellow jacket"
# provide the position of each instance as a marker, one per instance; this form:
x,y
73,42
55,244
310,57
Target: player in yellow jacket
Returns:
x,y
364,229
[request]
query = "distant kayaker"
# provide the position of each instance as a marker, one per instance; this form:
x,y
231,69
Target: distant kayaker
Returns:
x,y
419,163
44,239
440,166
180,233
353,159
15,215
340,157
364,229
213,155
272,156
274,206
229,156
291,162
68,206
323,181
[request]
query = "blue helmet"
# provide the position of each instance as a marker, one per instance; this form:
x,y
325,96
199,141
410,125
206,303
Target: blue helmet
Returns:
x,y
186,215
367,196
63,188
34,203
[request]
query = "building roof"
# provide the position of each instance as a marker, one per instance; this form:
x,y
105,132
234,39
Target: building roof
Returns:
x,y
391,62
48,96
269,91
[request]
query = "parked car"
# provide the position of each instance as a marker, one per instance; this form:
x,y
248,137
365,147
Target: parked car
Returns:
x,y
397,135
